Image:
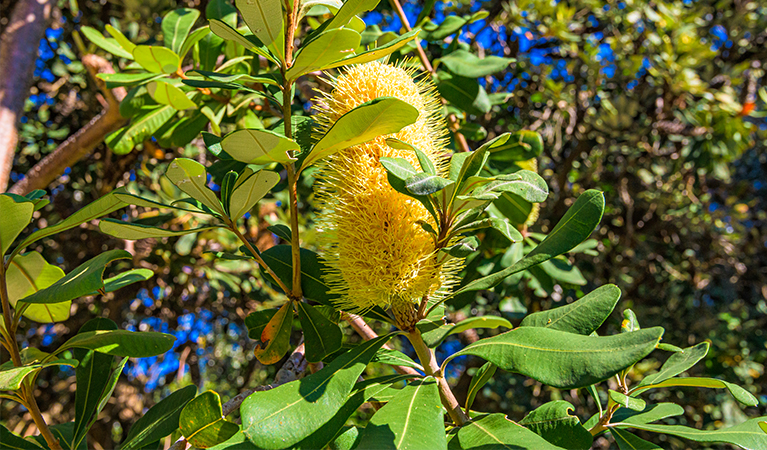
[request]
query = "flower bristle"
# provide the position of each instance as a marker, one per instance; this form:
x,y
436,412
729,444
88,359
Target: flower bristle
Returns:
x,y
368,233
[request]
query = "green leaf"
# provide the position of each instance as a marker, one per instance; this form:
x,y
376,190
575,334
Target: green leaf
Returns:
x,y
110,45
330,46
632,403
464,93
10,441
426,184
478,381
462,248
264,18
236,77
376,53
86,278
676,364
561,359
192,178
380,116
521,146
502,225
275,338
467,64
738,392
250,188
321,336
395,358
176,26
156,59
435,337
92,376
651,413
398,167
135,231
196,36
524,183
11,379
575,227
30,273
259,147
553,422
15,217
495,431
202,422
122,342
257,320
142,127
61,431
413,419
159,421
225,31
284,416
747,435
280,259
120,38
583,316
282,231
164,93
350,9
98,208
114,80
629,441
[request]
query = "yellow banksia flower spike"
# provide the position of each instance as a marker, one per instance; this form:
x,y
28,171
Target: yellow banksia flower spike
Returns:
x,y
368,233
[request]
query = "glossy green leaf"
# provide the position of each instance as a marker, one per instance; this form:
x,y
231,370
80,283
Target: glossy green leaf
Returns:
x,y
265,20
15,217
413,419
521,146
583,316
259,147
202,422
120,38
28,274
274,341
496,432
110,45
134,231
10,441
467,64
62,432
250,188
524,183
651,413
502,225
284,416
93,377
193,38
738,392
122,342
434,337
632,403
747,435
142,127
554,422
561,359
478,381
156,59
236,77
114,80
629,441
327,48
398,167
395,358
11,379
176,26
165,93
192,178
159,421
321,336
426,184
376,53
350,9
462,248
282,231
313,286
86,278
575,227
381,116
464,93
676,364
257,320
225,31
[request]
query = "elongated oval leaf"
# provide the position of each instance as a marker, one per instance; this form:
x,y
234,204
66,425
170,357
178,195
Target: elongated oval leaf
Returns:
x,y
738,392
142,127
134,231
563,360
381,116
412,420
250,190
275,338
202,422
160,421
313,285
434,337
120,38
122,342
192,178
376,53
426,184
467,64
321,336
478,381
264,18
114,80
330,46
15,217
167,94
225,31
11,379
110,45
553,422
632,403
30,273
524,183
176,26
747,435
677,363
583,316
156,59
284,416
629,441
259,147
495,431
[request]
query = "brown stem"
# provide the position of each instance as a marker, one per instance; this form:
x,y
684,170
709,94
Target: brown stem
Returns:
x,y
37,416
429,362
367,333
452,120
603,421
258,258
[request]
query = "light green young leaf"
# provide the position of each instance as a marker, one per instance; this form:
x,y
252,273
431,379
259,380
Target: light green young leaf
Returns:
x,y
676,364
110,45
330,46
202,422
165,93
434,337
467,64
134,231
192,178
176,26
121,39
376,53
225,31
632,403
156,59
11,379
250,188
259,147
15,217
30,273
265,20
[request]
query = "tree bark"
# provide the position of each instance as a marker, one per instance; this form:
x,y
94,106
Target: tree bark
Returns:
x,y
18,51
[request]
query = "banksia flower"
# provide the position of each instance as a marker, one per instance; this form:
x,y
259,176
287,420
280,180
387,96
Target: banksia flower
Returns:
x,y
368,233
